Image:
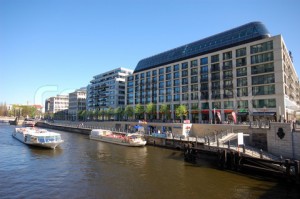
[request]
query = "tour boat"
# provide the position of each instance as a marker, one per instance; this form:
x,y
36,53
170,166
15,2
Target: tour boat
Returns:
x,y
126,139
38,137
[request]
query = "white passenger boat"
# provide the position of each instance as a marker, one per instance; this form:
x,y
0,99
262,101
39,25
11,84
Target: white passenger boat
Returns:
x,y
127,139
29,123
38,137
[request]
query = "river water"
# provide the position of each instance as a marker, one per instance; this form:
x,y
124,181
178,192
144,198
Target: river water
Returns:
x,y
83,168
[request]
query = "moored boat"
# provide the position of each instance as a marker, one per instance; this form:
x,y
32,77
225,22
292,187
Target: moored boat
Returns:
x,y
38,137
126,139
29,123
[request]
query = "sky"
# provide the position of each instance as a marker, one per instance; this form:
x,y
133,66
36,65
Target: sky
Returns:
x,y
50,47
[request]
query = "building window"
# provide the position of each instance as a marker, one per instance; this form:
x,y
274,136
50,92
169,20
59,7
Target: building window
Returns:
x,y
214,58
148,74
185,89
263,90
184,65
176,67
216,105
176,90
227,84
142,75
185,96
203,61
241,92
168,83
194,87
168,98
168,69
161,71
241,52
169,91
227,55
262,68
216,94
185,81
204,78
194,96
194,79
214,85
241,72
176,75
241,62
242,104
228,93
161,78
228,105
205,105
261,103
184,73
161,91
161,84
194,71
263,79
215,67
176,98
161,98
227,74
176,82
204,95
168,76
227,65
154,73
241,82
194,63
215,76
255,59
204,69
262,47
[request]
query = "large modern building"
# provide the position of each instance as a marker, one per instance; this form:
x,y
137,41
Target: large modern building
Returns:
x,y
107,90
77,102
244,70
57,104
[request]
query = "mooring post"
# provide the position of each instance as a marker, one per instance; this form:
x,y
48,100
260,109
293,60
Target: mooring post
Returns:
x,y
297,168
261,153
288,167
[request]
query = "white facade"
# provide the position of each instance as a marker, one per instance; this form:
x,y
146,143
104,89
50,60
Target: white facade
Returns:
x,y
256,80
77,102
107,90
56,104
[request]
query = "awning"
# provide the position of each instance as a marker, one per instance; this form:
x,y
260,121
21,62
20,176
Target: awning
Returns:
x,y
228,111
263,113
205,111
242,113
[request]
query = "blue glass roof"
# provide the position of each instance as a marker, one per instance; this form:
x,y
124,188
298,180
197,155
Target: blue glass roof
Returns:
x,y
233,37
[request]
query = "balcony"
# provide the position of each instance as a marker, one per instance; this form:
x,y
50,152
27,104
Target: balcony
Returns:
x,y
227,67
228,86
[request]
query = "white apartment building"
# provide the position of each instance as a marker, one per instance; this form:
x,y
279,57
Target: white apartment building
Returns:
x,y
107,90
57,104
244,71
77,102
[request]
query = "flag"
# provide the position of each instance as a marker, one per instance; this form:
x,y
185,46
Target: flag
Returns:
x,y
234,116
219,116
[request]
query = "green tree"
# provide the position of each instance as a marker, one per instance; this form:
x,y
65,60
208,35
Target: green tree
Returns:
x,y
129,111
164,109
102,113
139,110
150,110
110,113
181,111
119,112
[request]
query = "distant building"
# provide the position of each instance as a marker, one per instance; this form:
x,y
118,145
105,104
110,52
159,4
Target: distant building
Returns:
x,y
243,72
57,104
107,90
77,102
